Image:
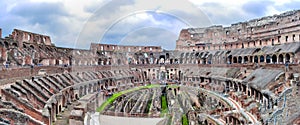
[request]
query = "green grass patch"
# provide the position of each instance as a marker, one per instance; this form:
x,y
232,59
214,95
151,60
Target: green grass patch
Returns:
x,y
185,120
118,94
164,105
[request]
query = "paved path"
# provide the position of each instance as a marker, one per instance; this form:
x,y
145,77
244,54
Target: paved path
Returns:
x,y
113,120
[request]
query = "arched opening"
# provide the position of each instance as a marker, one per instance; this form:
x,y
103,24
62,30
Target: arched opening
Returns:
x,y
100,61
145,74
240,59
105,62
274,59
255,59
268,59
24,46
179,75
167,56
234,60
229,59
109,61
32,47
245,59
280,58
175,61
261,59
119,62
287,57
129,61
56,62
162,59
6,44
15,45
181,61
250,59
142,61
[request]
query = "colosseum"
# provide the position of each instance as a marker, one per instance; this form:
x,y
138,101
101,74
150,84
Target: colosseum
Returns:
x,y
246,73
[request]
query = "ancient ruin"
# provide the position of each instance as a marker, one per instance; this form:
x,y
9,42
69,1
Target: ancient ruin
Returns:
x,y
247,73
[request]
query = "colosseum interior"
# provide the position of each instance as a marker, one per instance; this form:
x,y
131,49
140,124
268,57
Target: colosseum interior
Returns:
x,y
246,73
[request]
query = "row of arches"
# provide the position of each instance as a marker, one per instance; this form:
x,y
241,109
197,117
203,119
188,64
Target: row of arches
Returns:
x,y
275,59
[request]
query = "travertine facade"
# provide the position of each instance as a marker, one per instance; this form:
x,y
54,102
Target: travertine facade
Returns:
x,y
271,30
247,73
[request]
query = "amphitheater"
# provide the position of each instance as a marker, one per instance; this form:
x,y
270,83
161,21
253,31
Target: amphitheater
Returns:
x,y
246,73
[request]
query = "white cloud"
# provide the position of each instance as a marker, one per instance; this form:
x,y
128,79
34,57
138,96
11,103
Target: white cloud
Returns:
x,y
130,14
86,21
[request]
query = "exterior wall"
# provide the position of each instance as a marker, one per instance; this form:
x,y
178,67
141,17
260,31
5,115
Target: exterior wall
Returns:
x,y
278,28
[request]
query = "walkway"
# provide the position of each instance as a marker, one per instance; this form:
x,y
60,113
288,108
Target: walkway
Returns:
x,y
114,120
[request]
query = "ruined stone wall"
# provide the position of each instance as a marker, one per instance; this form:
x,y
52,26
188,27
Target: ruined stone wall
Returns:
x,y
24,36
270,30
122,48
20,73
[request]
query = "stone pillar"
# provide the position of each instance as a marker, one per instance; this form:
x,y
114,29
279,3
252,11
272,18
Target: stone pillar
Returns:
x,y
0,33
247,90
271,60
243,60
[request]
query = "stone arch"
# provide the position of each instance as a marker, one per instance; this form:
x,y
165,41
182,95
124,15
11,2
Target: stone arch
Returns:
x,y
240,59
234,60
175,61
100,61
274,59
287,57
245,59
230,59
261,59
119,62
162,59
268,59
255,59
167,55
280,58
145,74
109,61
129,60
6,44
15,45
24,45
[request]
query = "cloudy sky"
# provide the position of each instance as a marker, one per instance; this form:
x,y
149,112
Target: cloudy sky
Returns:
x,y
128,22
